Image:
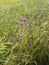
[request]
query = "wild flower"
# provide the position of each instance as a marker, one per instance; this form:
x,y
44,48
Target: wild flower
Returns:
x,y
22,21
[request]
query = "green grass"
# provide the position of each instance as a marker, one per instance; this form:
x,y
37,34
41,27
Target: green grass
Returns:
x,y
35,32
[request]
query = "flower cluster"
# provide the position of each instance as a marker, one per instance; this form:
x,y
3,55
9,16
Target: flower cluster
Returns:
x,y
22,21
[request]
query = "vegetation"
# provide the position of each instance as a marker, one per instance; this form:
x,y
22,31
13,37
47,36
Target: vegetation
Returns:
x,y
24,32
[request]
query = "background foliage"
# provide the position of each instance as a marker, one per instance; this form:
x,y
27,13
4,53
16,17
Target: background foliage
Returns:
x,y
32,48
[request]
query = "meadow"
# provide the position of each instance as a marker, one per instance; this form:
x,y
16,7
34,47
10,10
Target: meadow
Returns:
x,y
24,32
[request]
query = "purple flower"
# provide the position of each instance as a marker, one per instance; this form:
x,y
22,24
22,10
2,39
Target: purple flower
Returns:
x,y
22,21
20,35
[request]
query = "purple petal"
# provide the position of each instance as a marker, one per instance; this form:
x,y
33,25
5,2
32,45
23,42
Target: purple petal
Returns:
x,y
24,19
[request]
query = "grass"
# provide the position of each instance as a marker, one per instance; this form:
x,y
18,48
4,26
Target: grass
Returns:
x,y
26,44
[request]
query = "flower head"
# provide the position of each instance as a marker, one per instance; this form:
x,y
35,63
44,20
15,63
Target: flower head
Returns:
x,y
22,21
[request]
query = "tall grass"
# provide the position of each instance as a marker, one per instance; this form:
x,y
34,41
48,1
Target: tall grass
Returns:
x,y
24,43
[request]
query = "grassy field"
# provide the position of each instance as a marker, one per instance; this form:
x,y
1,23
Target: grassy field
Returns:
x,y
24,32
